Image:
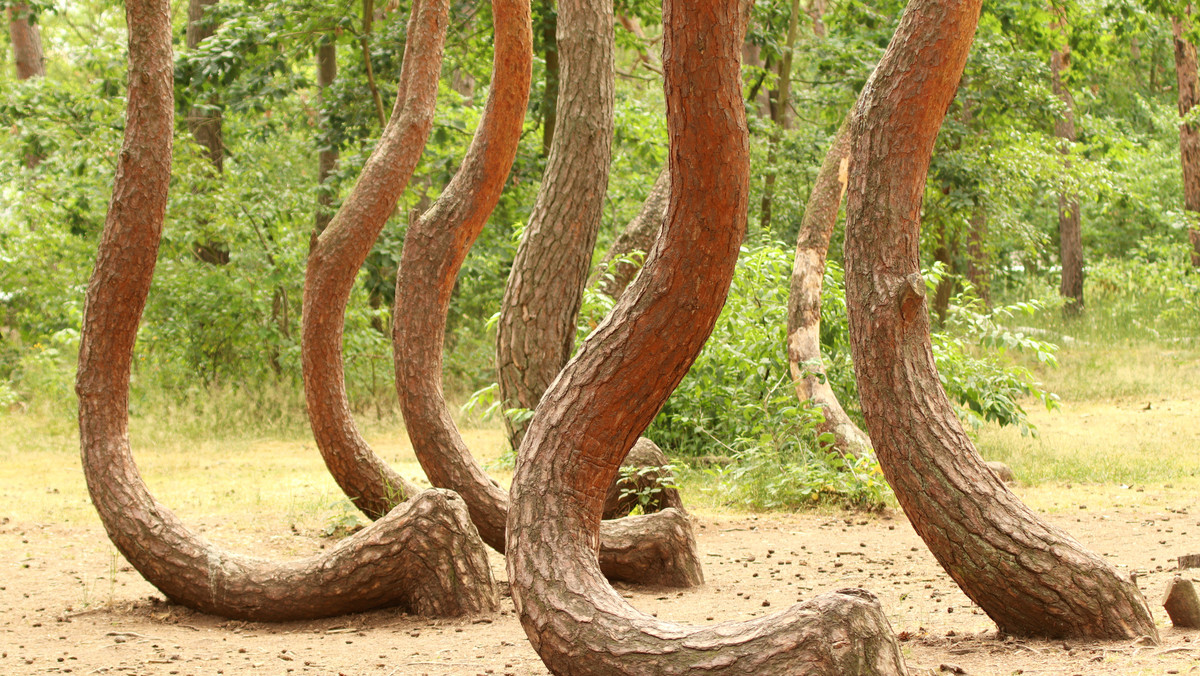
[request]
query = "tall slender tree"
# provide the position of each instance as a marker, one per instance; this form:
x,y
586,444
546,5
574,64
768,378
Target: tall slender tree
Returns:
x,y
1189,134
1070,233
26,42
204,119
327,156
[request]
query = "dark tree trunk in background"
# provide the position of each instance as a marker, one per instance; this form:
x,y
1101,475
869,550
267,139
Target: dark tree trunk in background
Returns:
x,y
656,550
204,119
1029,577
1070,235
425,557
536,333
781,114
804,297
26,42
327,156
944,253
594,411
340,251
639,235
978,258
1189,134
549,105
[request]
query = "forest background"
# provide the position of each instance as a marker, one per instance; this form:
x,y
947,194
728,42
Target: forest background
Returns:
x,y
269,141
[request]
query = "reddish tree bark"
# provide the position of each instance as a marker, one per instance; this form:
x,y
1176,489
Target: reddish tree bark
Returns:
x,y
341,250
1029,577
804,297
536,333
425,556
595,409
639,235
1070,233
1189,134
26,43
658,550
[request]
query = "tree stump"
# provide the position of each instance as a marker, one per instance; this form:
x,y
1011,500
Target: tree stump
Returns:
x,y
1189,561
1182,603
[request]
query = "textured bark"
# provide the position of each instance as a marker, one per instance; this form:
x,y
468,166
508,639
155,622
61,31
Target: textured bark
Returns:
x,y
804,297
1029,577
327,157
595,409
658,550
204,120
340,251
536,333
1189,134
639,235
26,43
1070,235
1182,604
781,115
424,557
646,460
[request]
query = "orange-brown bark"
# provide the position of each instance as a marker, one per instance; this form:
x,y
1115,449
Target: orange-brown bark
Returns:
x,y
425,557
536,332
26,42
1029,577
804,298
658,550
593,412
340,251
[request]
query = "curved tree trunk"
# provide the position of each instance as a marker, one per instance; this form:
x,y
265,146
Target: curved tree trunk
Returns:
x,y
1189,134
804,297
425,557
340,251
595,409
1029,577
536,333
639,235
658,550
26,43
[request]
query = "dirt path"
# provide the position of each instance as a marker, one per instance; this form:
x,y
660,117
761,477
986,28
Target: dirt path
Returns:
x,y
68,604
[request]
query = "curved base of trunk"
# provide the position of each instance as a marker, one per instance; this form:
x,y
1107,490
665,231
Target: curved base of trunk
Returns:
x,y
654,549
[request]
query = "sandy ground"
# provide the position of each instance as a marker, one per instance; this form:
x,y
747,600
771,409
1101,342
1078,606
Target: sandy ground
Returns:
x,y
70,604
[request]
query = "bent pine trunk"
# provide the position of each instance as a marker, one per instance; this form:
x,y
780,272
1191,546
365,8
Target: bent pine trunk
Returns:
x,y
425,557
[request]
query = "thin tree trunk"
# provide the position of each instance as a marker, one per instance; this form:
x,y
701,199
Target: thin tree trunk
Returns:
x,y
1070,235
978,258
944,253
549,105
594,411
782,117
1189,134
425,557
204,119
804,298
26,42
639,235
364,41
1029,577
327,157
340,251
653,550
536,333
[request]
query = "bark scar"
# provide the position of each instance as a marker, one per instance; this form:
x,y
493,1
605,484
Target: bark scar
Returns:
x,y
911,296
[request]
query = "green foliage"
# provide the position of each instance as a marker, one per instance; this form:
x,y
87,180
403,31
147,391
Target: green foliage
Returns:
x,y
645,484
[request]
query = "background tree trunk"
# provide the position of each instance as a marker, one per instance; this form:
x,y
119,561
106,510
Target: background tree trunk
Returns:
x,y
1189,134
639,235
340,250
804,297
1070,236
659,550
536,333
426,557
327,156
1029,577
608,394
26,42
978,258
204,119
781,114
549,105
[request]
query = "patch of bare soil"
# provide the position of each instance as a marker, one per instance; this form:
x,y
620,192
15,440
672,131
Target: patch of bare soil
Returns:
x,y
68,604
